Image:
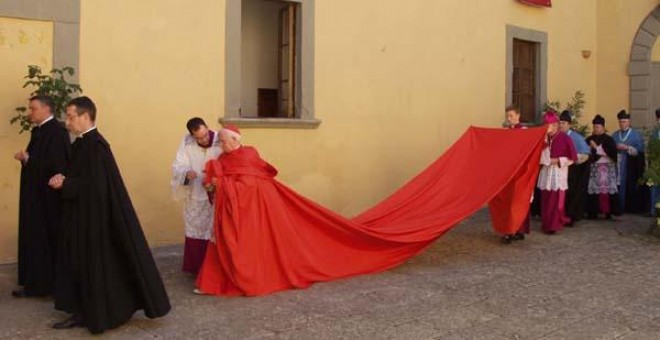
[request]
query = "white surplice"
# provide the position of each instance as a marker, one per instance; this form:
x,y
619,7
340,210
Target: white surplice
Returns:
x,y
198,211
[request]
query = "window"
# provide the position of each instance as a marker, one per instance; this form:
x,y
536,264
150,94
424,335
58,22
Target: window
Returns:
x,y
269,63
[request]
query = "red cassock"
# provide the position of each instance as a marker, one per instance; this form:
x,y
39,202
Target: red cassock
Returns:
x,y
269,238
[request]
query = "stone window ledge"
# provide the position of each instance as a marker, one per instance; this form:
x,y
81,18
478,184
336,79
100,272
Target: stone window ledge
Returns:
x,y
291,123
527,125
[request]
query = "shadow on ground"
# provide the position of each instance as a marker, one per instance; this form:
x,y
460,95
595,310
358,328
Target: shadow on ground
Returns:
x,y
598,280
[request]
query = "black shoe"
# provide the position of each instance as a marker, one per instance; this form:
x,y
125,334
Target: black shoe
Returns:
x,y
71,322
507,239
20,293
518,237
569,224
550,232
608,216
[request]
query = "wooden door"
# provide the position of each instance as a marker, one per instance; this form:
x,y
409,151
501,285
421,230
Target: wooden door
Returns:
x,y
524,90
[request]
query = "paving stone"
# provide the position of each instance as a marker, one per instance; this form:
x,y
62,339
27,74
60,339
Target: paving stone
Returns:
x,y
597,280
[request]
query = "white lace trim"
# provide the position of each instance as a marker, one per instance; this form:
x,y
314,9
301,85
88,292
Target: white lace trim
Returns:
x,y
198,219
553,177
602,179
191,156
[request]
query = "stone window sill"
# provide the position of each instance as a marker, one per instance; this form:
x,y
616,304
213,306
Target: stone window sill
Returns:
x,y
286,123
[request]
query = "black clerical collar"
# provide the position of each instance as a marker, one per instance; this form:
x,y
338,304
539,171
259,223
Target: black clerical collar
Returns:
x,y
46,121
90,129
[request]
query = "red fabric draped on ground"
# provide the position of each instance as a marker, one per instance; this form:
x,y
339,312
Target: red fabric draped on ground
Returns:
x,y
269,238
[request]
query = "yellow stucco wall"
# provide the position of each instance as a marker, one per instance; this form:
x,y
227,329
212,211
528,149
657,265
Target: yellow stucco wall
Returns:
x,y
395,84
22,42
571,27
149,66
618,22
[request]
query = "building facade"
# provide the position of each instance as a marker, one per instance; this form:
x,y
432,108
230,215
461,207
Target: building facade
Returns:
x,y
348,99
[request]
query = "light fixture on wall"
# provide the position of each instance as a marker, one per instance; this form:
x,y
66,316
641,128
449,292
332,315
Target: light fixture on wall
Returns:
x,y
586,54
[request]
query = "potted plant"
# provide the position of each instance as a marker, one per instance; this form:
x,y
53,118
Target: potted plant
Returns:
x,y
52,84
575,106
651,176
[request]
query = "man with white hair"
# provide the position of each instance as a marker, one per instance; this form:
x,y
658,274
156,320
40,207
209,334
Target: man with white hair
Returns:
x,y
631,163
230,138
199,146
245,210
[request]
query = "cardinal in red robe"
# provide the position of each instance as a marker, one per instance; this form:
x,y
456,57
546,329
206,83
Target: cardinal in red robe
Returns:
x,y
268,238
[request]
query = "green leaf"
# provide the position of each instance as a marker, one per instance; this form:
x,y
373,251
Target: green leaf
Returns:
x,y
52,84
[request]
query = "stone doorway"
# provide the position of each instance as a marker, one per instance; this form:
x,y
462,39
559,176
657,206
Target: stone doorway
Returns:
x,y
644,72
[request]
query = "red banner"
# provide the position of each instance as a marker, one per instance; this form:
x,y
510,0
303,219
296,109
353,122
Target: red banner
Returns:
x,y
544,3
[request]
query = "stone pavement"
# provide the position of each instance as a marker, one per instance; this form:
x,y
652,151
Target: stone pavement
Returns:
x,y
600,280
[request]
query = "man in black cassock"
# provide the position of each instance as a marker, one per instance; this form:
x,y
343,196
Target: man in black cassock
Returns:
x,y
602,188
39,204
105,270
578,172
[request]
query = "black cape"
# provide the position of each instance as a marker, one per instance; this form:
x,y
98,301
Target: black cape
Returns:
x,y
609,146
105,268
637,195
40,207
576,196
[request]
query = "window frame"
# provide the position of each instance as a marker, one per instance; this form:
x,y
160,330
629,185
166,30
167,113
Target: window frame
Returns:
x,y
305,115
541,38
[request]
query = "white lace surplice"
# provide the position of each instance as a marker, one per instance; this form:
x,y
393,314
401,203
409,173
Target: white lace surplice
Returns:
x,y
198,211
553,177
603,178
